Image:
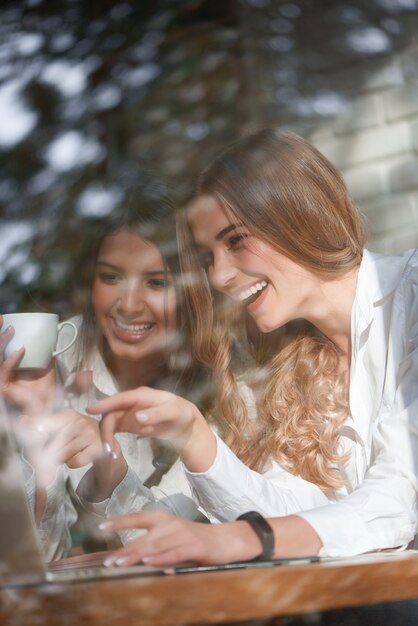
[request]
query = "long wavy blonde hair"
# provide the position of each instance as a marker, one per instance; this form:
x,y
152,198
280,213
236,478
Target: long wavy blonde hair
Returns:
x,y
289,195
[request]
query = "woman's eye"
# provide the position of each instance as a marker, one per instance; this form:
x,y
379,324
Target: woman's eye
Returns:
x,y
159,283
109,277
236,240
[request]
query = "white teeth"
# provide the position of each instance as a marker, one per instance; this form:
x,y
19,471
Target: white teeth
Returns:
x,y
133,328
252,290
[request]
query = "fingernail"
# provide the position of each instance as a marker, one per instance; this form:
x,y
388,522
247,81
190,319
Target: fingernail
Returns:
x,y
170,570
107,447
142,417
105,525
148,559
122,560
109,561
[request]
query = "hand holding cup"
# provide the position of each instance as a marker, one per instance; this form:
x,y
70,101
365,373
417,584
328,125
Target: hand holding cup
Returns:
x,y
29,385
38,334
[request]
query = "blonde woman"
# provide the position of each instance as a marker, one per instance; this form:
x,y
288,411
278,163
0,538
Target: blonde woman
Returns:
x,y
331,456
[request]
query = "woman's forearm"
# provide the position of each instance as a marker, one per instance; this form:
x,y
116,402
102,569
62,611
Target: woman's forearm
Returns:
x,y
172,540
294,537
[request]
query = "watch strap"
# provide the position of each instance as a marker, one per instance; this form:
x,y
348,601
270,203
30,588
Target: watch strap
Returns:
x,y
263,531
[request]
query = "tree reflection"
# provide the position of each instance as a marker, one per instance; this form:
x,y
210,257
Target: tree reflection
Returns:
x,y
91,89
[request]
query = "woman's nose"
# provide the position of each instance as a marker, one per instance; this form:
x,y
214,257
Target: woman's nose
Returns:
x,y
131,299
222,272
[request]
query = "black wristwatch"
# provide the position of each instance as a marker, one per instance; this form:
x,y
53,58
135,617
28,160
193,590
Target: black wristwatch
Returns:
x,y
263,531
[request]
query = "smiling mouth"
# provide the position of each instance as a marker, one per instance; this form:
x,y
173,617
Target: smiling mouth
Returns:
x,y
250,295
133,329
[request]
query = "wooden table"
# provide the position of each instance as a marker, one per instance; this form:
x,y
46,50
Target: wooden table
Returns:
x,y
211,597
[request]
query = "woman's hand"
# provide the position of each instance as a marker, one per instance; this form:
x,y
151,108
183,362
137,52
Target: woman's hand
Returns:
x,y
170,540
66,437
70,438
154,413
30,391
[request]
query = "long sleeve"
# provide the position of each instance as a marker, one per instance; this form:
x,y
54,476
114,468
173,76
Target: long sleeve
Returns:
x,y
59,514
383,510
229,488
172,494
379,509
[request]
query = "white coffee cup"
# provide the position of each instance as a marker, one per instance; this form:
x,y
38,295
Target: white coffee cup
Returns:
x,y
38,333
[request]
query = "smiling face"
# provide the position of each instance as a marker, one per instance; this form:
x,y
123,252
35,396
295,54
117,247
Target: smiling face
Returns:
x,y
133,299
273,289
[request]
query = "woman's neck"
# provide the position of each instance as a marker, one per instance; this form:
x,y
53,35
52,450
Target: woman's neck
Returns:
x,y
133,374
332,313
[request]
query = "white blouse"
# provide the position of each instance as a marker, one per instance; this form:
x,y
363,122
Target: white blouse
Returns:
x,y
172,494
378,507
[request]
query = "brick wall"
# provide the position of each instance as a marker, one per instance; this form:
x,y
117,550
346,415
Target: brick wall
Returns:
x,y
376,147
346,76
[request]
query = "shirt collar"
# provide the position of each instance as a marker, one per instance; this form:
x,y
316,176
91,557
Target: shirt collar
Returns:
x,y
378,276
102,378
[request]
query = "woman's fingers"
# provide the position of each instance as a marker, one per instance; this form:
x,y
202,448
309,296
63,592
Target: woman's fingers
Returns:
x,y
5,335
17,395
109,425
141,397
9,363
79,452
7,366
31,391
172,540
118,415
73,448
168,540
148,413
68,437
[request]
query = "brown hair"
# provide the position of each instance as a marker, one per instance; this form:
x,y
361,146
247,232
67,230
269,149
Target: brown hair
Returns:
x,y
288,194
144,209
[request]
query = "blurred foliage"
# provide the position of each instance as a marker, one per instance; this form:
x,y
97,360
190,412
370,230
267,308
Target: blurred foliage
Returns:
x,y
92,90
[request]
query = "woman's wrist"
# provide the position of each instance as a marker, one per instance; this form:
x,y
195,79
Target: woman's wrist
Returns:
x,y
199,451
264,532
239,541
293,537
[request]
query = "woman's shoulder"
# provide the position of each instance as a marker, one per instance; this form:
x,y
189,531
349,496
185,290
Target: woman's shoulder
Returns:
x,y
382,275
411,264
407,296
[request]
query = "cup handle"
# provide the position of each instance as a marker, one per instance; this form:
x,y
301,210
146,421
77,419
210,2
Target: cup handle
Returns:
x,y
61,325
